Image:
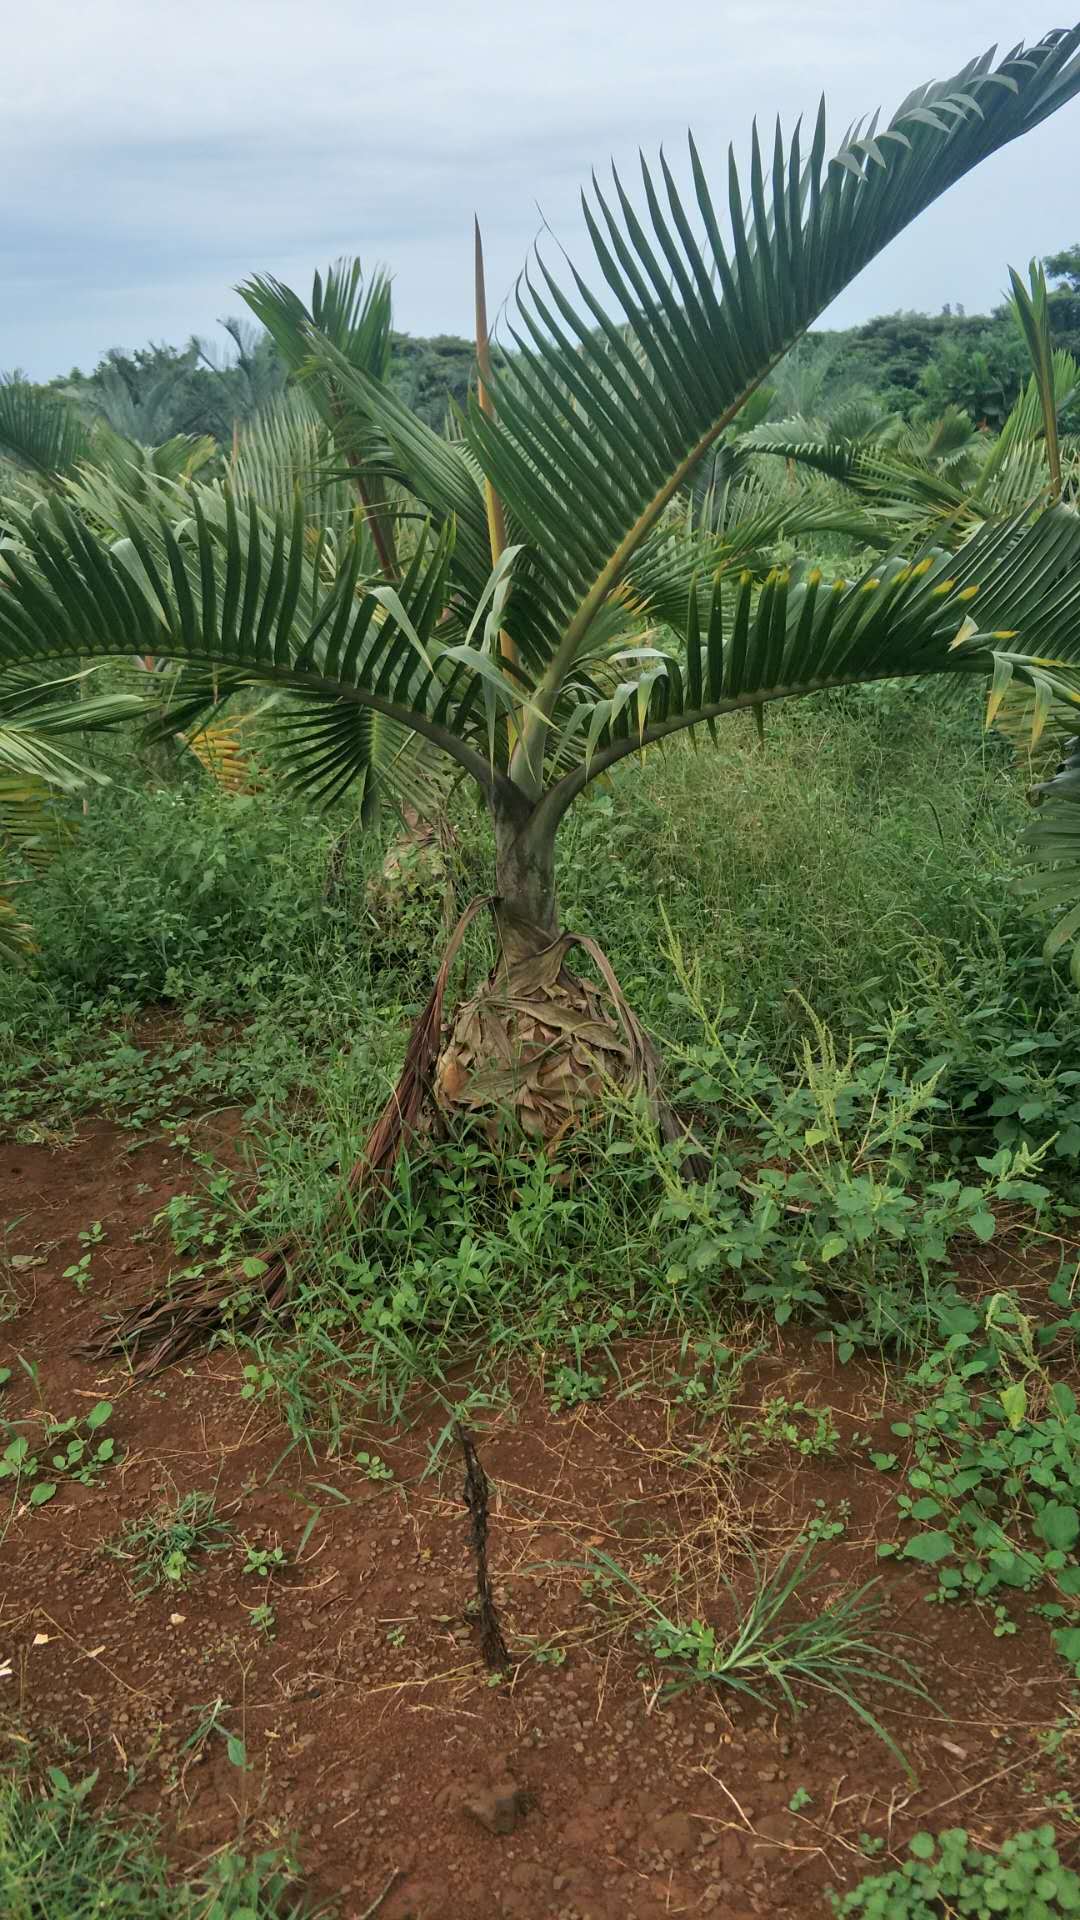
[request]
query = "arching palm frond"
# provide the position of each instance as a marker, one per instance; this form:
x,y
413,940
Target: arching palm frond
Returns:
x,y
241,592
288,447
943,614
35,715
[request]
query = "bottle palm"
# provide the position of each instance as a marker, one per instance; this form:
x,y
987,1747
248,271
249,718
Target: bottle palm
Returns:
x,y
526,611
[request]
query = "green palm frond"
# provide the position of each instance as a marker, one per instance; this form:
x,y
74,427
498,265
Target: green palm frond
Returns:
x,y
32,826
34,715
330,747
950,442
801,634
354,317
1053,848
286,447
40,433
588,475
900,486
1032,312
240,591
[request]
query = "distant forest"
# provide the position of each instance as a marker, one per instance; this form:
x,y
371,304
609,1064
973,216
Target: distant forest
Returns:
x,y
911,364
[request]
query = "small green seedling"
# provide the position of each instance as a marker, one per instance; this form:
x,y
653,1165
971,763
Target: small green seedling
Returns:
x,y
947,1873
165,1544
265,1560
572,1387
78,1456
375,1468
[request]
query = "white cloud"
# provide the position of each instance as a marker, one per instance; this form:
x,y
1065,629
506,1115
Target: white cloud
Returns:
x,y
152,155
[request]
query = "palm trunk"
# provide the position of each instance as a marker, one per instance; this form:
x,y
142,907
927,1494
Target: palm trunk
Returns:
x,y
536,1045
525,908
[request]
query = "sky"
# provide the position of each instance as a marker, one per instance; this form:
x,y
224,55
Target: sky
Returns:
x,y
153,154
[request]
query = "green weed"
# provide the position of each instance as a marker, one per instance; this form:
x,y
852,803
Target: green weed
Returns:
x,y
166,1545
993,1488
949,1874
769,1652
78,1454
60,1858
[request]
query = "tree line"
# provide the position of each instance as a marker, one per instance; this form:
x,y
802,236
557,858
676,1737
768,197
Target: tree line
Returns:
x,y
912,364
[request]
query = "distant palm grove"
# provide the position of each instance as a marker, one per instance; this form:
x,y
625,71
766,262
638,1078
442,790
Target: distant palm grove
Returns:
x,y
912,364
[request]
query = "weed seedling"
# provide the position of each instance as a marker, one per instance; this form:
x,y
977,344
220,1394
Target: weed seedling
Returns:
x,y
264,1619
809,1431
375,1468
949,1874
264,1560
167,1543
209,1724
572,1387
829,1651
79,1271
80,1455
824,1524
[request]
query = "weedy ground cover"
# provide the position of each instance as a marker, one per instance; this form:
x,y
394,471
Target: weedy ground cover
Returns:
x,y
811,1421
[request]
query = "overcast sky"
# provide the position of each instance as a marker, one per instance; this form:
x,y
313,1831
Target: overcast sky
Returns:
x,y
154,153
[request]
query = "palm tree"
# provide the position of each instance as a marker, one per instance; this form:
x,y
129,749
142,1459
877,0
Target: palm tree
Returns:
x,y
38,778
945,477
532,611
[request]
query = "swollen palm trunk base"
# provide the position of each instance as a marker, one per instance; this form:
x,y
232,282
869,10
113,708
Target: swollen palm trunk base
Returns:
x,y
536,1046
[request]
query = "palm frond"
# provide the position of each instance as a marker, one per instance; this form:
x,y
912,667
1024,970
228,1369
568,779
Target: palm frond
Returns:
x,y
1032,312
32,827
287,447
800,634
355,319
592,439
240,591
40,432
1052,844
34,715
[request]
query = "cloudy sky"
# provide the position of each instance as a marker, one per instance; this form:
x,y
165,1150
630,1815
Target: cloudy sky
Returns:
x,y
154,153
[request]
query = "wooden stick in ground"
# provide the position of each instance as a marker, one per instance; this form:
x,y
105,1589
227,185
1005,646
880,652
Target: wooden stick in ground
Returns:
x,y
492,1644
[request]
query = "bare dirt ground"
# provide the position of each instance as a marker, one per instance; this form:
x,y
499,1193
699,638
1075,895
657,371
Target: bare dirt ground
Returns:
x,y
371,1730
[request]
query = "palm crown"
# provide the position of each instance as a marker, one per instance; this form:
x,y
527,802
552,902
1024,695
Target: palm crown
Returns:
x,y
512,592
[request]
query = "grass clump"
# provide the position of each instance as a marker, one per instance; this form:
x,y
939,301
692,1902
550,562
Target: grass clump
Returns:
x,y
164,1546
771,1650
59,1860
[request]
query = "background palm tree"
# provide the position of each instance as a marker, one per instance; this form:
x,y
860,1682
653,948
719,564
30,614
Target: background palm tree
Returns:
x,y
519,596
39,778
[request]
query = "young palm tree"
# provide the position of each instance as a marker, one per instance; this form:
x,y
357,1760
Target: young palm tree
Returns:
x,y
534,613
